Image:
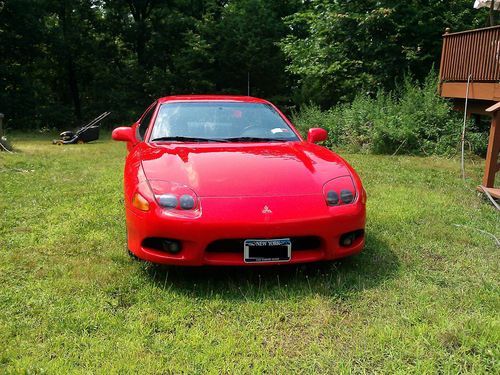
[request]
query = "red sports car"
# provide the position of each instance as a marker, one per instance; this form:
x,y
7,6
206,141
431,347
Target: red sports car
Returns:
x,y
228,180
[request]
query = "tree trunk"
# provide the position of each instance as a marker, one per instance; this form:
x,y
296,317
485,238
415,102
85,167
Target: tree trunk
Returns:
x,y
69,62
140,12
73,86
141,43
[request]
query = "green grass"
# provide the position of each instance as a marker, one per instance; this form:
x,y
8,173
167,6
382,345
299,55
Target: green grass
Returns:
x,y
423,297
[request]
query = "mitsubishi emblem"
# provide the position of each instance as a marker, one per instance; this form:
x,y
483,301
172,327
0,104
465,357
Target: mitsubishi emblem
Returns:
x,y
266,210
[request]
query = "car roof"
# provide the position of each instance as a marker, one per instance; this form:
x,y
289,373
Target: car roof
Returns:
x,y
209,98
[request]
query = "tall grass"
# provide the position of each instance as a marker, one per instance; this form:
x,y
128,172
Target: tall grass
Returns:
x,y
422,298
413,119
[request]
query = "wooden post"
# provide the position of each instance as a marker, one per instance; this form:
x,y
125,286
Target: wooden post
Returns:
x,y
441,63
492,166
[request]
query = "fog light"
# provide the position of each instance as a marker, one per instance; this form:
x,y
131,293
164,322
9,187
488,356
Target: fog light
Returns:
x,y
347,239
171,246
167,245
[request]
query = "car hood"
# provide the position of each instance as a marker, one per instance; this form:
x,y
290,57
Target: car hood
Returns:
x,y
230,170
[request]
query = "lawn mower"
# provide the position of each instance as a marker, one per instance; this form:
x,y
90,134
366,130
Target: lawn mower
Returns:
x,y
85,134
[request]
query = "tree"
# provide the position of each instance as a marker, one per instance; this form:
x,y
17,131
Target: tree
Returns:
x,y
244,35
337,49
66,61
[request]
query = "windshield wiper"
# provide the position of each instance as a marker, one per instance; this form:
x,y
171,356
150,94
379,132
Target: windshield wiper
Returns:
x,y
188,139
256,139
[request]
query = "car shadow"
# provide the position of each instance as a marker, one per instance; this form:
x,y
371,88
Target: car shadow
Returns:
x,y
341,278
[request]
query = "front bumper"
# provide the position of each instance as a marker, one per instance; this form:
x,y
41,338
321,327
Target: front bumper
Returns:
x,y
239,218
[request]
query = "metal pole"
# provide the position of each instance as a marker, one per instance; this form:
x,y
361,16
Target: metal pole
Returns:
x,y
463,129
492,14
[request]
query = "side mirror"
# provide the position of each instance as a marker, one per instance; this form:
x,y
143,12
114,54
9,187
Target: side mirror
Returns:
x,y
315,135
124,134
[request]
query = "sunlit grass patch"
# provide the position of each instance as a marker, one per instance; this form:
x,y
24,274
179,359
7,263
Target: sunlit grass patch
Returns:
x,y
423,297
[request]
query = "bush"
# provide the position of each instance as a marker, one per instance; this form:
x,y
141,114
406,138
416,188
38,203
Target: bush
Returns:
x,y
412,119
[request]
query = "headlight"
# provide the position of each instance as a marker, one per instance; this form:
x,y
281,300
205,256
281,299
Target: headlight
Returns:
x,y
347,196
168,200
332,198
342,187
174,197
187,202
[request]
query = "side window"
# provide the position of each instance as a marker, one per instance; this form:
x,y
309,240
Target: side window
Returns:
x,y
146,119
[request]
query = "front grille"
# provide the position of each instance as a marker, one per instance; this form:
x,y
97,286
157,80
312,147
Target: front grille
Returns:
x,y
235,245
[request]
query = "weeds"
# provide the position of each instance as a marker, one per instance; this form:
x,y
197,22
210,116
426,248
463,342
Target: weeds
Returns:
x,y
413,119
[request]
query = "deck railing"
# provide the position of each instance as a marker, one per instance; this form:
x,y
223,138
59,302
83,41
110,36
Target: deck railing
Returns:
x,y
473,52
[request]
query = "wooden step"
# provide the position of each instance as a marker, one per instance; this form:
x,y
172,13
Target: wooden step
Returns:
x,y
494,192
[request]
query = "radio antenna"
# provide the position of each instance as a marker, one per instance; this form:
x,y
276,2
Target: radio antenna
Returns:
x,y
248,83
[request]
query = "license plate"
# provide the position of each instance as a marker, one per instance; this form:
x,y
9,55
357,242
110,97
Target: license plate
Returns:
x,y
275,250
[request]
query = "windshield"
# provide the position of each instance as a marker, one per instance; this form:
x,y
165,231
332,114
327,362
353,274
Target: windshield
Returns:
x,y
220,121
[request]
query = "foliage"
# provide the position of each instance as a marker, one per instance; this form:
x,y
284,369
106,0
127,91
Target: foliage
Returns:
x,y
64,62
410,119
339,49
422,298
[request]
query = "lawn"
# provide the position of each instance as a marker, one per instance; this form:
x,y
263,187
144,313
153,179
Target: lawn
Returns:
x,y
423,297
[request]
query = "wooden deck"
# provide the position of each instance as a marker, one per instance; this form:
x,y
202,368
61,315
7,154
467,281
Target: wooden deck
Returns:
x,y
474,56
477,90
